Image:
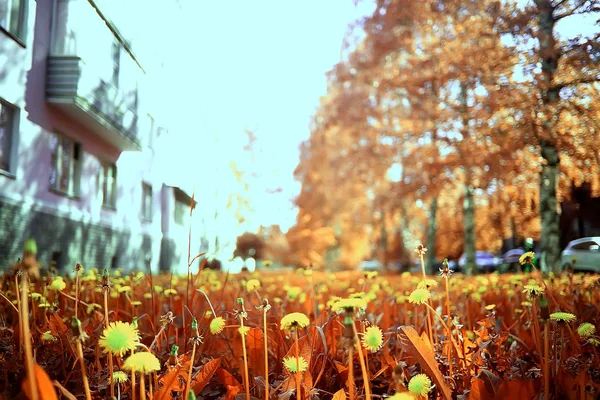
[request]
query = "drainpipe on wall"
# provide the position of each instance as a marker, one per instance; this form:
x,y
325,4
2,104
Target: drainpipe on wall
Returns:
x,y
52,22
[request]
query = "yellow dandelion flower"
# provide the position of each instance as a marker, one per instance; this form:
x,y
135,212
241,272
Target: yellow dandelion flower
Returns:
x,y
420,385
349,305
58,284
143,362
216,325
562,317
252,285
93,306
120,377
293,321
293,292
586,329
243,330
169,292
371,274
427,284
372,339
332,300
593,341
527,258
290,364
118,338
48,337
419,296
125,288
533,290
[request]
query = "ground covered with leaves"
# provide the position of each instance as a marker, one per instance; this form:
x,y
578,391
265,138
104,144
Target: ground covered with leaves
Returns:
x,y
358,336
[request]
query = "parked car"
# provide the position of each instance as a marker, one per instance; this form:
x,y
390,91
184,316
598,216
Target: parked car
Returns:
x,y
370,265
485,262
582,254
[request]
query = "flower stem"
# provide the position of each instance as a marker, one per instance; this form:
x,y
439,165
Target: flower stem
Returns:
x,y
449,319
429,322
266,337
142,387
546,361
21,336
362,364
189,377
76,291
110,360
297,374
449,333
536,332
86,384
246,380
351,389
132,383
27,336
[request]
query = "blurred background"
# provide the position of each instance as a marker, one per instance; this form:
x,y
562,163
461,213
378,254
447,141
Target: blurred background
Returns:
x,y
318,134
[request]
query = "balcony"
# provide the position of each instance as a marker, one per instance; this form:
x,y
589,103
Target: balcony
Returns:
x,y
92,76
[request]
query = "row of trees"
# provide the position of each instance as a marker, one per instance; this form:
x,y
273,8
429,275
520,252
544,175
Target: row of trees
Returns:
x,y
451,122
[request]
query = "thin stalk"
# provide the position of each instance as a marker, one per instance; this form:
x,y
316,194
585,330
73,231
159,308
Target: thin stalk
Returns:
x,y
297,374
266,337
76,289
189,377
86,384
362,364
574,338
247,383
449,319
536,331
351,389
162,329
20,317
142,387
27,336
429,322
110,359
546,361
458,351
132,383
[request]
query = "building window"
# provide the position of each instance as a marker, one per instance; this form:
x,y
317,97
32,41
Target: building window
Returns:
x,y
181,210
66,165
146,202
107,184
12,17
8,129
151,132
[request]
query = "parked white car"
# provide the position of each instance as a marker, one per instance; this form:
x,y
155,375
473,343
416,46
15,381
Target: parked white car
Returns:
x,y
582,254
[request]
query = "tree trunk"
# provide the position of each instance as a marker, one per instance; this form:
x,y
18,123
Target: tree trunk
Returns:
x,y
384,243
431,235
550,55
469,222
550,240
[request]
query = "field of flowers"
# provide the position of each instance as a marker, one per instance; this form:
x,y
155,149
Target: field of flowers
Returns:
x,y
297,335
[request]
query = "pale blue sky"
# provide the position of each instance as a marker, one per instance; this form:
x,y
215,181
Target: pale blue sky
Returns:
x,y
240,64
259,65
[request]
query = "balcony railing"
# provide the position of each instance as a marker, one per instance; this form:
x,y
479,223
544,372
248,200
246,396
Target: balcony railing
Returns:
x,y
90,76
